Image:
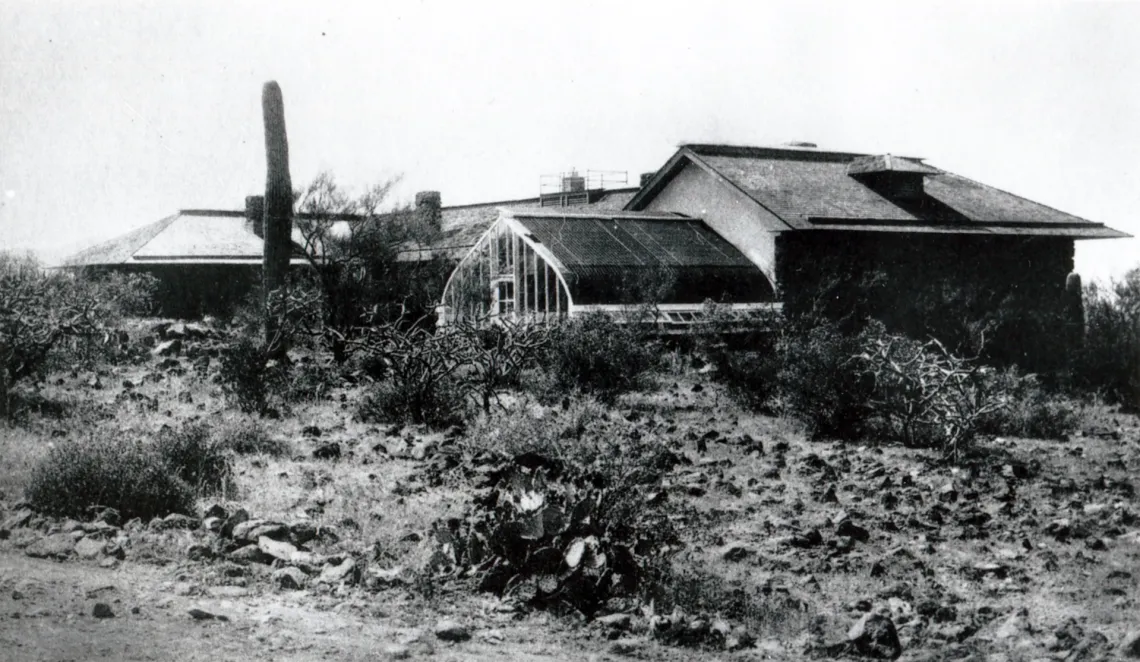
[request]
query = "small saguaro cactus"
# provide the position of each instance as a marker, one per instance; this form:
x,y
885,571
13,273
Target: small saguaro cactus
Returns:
x,y
1074,310
278,224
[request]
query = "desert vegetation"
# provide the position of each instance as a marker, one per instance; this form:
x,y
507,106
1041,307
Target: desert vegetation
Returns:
x,y
809,485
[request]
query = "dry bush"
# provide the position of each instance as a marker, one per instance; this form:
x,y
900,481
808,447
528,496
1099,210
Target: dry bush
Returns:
x,y
1108,361
422,383
40,309
126,474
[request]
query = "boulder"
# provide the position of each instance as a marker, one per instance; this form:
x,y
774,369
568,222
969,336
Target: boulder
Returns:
x,y
1130,646
231,522
290,578
252,530
329,451
102,610
875,636
335,573
449,630
89,548
57,546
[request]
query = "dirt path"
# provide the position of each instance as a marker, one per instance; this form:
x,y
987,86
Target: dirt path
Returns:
x,y
46,615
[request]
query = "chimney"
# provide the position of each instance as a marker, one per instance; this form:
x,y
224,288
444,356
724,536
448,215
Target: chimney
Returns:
x,y
645,177
429,210
255,214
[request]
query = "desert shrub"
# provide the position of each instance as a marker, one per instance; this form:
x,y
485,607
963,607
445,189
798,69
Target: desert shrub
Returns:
x,y
194,455
126,474
742,352
435,403
1108,362
1031,411
248,376
820,381
596,355
40,309
496,356
925,396
422,383
571,513
310,379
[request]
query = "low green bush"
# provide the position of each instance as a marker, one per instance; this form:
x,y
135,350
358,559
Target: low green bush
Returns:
x,y
435,403
248,376
128,475
196,457
595,355
248,436
820,381
1032,412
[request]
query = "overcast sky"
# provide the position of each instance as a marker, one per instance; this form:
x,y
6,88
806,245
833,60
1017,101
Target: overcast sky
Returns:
x,y
115,114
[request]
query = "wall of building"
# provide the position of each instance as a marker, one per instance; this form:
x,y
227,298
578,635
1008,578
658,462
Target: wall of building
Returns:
x,y
937,285
735,216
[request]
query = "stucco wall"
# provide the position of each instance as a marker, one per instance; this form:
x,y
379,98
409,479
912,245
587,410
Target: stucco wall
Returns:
x,y
735,216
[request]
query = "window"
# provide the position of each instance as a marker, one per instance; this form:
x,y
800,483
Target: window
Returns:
x,y
505,297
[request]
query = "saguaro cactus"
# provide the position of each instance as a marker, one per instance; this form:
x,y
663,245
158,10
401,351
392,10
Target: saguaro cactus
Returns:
x,y
278,224
1075,310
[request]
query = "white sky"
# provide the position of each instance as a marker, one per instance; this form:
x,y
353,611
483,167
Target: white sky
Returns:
x,y
116,114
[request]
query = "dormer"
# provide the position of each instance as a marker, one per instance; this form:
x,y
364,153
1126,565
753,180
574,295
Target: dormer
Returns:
x,y
893,177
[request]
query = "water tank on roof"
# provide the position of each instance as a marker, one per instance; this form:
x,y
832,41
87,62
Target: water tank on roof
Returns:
x,y
573,182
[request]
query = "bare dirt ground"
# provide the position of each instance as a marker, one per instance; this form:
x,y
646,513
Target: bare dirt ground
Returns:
x,y
1025,550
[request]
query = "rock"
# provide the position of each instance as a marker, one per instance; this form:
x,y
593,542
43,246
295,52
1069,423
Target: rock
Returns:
x,y
421,450
311,431
851,530
89,548
249,554
875,636
57,546
167,348
203,615
227,591
948,494
1130,646
199,552
1016,624
239,516
179,521
806,539
735,552
290,579
212,524
615,621
388,577
102,610
17,520
329,451
252,530
276,548
448,630
215,510
346,571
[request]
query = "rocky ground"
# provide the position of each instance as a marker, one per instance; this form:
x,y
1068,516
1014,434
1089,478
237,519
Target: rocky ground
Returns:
x,y
1025,549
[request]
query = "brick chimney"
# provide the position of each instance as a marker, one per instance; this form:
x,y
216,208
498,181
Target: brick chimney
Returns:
x,y
429,211
645,177
255,214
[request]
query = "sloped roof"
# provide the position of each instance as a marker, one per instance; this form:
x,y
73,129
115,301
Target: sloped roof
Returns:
x,y
461,226
192,236
599,250
813,189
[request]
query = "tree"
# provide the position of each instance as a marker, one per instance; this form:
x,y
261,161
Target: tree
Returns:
x,y
353,244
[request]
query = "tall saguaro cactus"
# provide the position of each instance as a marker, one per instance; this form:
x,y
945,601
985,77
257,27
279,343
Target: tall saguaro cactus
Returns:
x,y
278,223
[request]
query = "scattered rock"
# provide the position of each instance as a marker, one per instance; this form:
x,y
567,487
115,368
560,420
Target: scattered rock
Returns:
x,y
203,615
851,530
57,546
89,548
102,610
329,451
875,636
1130,646
290,579
806,539
346,571
735,552
397,652
448,630
311,431
254,529
615,621
239,516
179,521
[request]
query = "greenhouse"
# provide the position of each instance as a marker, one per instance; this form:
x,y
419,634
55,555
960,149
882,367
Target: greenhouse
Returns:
x,y
539,264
